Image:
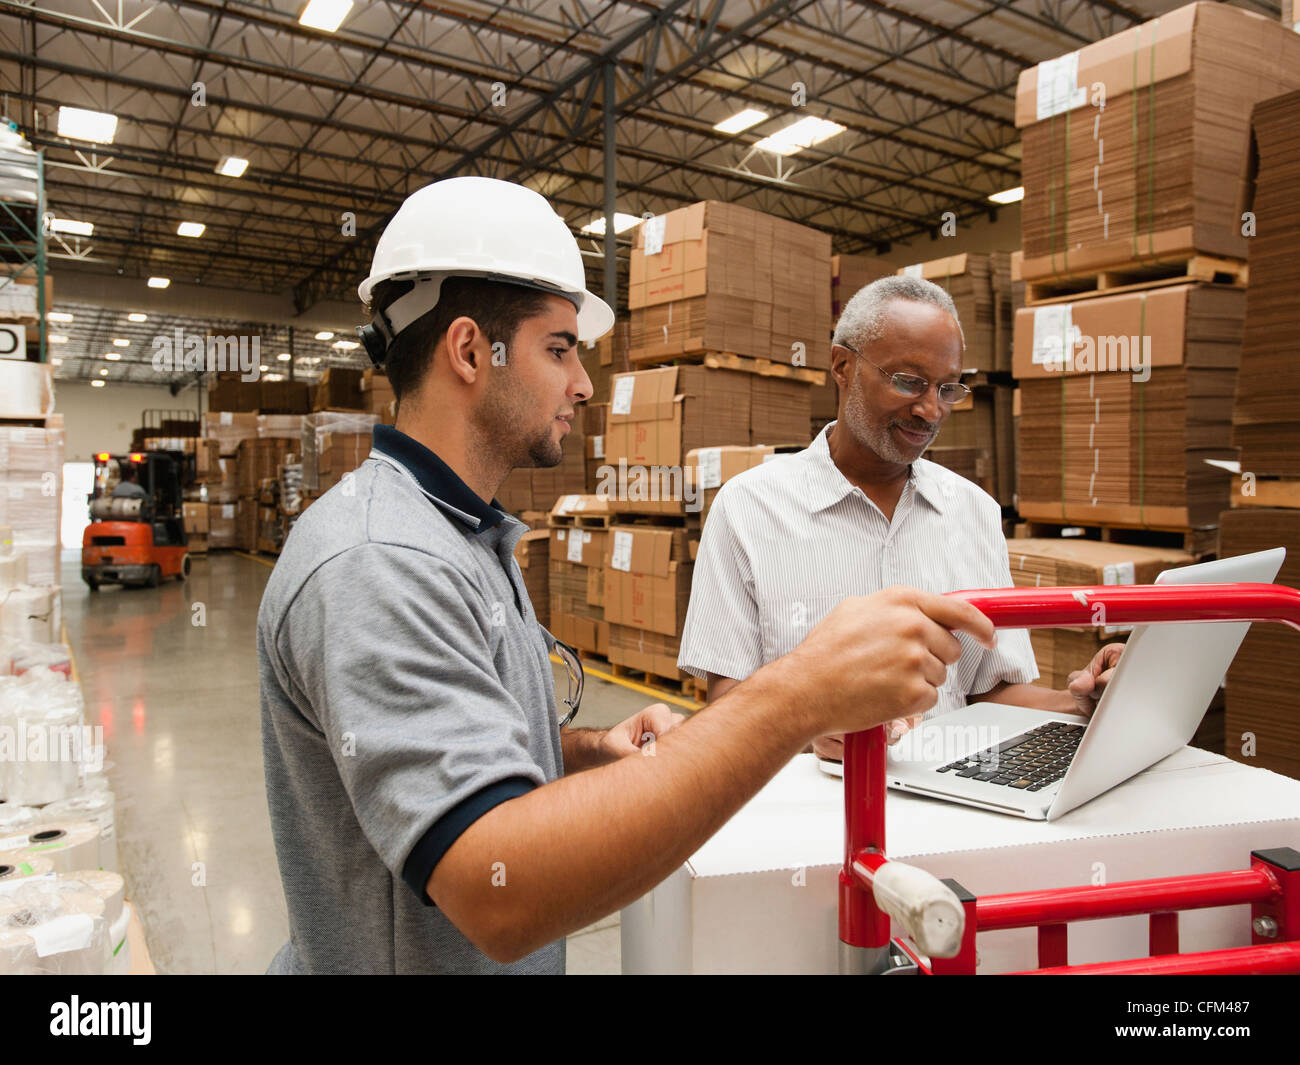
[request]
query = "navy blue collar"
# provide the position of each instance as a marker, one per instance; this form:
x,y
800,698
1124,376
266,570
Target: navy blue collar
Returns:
x,y
437,480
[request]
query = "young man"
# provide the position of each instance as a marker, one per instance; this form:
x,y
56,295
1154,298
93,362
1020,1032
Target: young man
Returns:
x,y
860,510
429,813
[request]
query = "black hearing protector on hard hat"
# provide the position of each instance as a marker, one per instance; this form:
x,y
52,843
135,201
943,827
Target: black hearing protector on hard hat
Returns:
x,y
376,338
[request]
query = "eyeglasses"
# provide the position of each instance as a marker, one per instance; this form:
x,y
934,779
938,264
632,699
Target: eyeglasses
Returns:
x,y
573,666
907,384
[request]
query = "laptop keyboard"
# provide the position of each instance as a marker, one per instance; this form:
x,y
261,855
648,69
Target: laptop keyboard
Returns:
x,y
1030,762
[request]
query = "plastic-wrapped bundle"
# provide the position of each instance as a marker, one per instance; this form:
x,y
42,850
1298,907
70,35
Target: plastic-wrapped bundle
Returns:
x,y
42,742
96,806
19,656
108,886
49,925
29,613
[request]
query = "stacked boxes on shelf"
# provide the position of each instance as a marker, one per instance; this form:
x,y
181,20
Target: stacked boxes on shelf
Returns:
x,y
533,554
578,535
715,277
1260,724
980,287
1150,167
195,515
339,388
1066,562
31,495
1118,430
1264,421
333,444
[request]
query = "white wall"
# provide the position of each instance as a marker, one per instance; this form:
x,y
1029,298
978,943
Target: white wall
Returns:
x,y
102,419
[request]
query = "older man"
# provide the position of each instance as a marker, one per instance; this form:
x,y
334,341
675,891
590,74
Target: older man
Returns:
x,y
860,510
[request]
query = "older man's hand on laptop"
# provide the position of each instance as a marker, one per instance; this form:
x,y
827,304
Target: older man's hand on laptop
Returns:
x,y
1087,684
832,747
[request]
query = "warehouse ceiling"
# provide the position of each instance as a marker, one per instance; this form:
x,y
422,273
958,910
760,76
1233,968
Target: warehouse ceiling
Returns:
x,y
339,127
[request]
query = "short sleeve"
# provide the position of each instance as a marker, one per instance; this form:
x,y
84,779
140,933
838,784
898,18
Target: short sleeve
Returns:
x,y
722,633
393,650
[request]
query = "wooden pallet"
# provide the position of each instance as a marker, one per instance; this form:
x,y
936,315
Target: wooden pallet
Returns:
x,y
1198,542
1266,492
671,685
578,520
726,360
1113,281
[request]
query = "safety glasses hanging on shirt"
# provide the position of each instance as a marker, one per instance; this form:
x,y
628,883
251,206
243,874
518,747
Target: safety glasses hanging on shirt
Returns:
x,y
573,666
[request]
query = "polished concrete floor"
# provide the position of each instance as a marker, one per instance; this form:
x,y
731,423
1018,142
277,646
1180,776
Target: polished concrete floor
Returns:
x,y
171,675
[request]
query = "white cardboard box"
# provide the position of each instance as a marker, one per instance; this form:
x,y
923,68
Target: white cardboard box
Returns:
x,y
760,896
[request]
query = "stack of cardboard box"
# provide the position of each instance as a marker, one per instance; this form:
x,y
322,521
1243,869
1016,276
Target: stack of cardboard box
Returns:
x,y
849,273
196,526
1117,429
723,278
378,396
1068,562
339,388
978,441
227,392
578,535
983,307
1266,425
1261,725
532,552
1134,147
333,443
528,490
31,495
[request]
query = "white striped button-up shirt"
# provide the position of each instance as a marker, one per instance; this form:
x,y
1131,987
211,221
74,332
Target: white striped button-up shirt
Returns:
x,y
787,540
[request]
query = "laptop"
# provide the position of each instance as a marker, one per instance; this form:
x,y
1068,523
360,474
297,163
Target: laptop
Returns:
x,y
1040,765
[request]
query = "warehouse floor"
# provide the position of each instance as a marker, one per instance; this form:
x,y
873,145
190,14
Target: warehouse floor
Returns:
x,y
171,675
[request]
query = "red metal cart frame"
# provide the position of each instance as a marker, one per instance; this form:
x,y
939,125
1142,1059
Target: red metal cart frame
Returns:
x,y
1271,885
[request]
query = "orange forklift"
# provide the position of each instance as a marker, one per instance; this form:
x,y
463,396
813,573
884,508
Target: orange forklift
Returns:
x,y
136,536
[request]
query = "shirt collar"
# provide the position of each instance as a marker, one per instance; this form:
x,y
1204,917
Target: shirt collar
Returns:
x,y
827,485
437,480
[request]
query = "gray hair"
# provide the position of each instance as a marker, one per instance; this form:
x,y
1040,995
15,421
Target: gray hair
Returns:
x,y
863,319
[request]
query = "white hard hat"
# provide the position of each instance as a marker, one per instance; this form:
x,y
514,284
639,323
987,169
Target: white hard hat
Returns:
x,y
479,227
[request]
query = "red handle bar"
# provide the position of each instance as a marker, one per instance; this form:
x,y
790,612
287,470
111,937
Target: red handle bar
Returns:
x,y
1126,604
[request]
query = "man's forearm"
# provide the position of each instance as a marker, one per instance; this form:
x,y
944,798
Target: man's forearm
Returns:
x,y
581,748
538,867
1031,695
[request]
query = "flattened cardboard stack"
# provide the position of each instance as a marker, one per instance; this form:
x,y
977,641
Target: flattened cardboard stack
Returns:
x,y
1096,444
1056,563
849,273
718,277
577,540
593,429
1157,171
1266,416
377,394
605,358
709,468
978,441
1265,676
971,280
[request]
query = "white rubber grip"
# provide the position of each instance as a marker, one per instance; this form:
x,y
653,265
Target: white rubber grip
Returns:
x,y
924,907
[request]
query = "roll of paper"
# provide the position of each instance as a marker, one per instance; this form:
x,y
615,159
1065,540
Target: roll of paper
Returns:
x,y
16,868
68,845
108,886
97,807
64,919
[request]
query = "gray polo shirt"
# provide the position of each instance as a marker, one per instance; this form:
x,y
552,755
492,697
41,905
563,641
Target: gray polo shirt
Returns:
x,y
406,690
